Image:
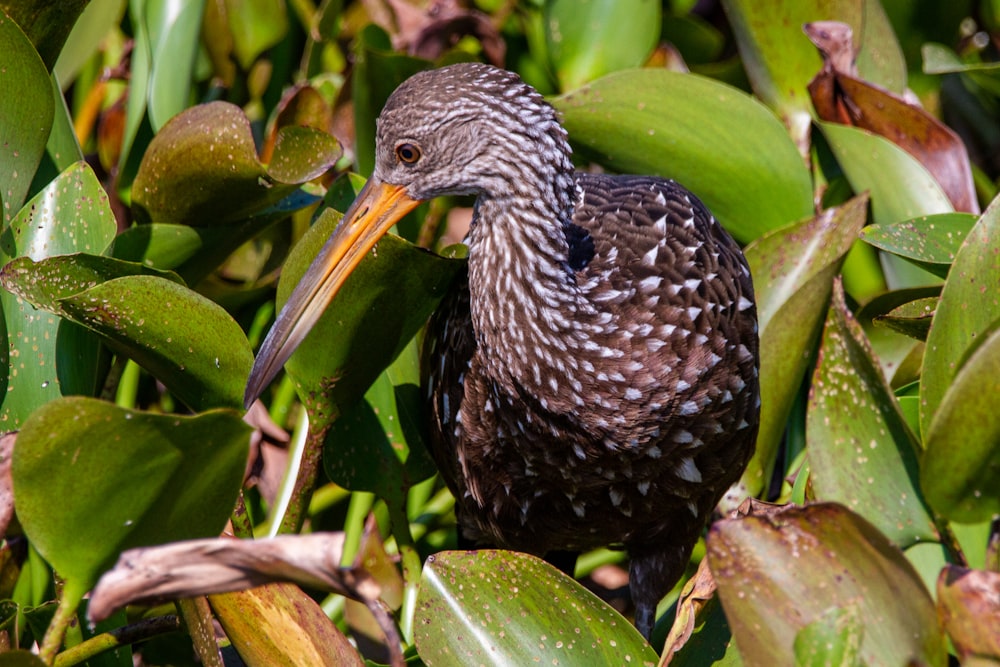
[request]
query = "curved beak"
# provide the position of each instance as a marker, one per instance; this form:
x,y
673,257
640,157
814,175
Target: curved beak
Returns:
x,y
377,208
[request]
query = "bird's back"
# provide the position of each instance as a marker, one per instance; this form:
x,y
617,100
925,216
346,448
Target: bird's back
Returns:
x,y
669,406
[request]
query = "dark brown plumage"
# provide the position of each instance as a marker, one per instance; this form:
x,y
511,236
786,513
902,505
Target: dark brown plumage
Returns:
x,y
593,378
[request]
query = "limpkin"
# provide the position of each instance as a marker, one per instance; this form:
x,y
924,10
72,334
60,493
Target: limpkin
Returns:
x,y
592,379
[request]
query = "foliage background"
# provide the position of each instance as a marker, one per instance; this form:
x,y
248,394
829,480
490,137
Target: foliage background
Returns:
x,y
160,160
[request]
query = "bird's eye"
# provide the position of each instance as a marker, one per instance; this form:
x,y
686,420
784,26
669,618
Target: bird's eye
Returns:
x,y
408,153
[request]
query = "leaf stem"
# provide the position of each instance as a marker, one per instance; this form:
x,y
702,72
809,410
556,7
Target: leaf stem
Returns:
x,y
65,614
412,565
123,636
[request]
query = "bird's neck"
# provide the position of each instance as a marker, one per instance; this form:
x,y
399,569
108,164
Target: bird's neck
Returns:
x,y
526,306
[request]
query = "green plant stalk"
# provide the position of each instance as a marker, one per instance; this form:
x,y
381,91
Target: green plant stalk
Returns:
x,y
198,619
65,615
241,519
128,385
354,524
123,636
411,563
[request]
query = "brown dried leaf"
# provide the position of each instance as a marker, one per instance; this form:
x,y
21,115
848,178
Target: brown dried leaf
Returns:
x,y
268,458
203,567
697,592
429,32
840,96
969,608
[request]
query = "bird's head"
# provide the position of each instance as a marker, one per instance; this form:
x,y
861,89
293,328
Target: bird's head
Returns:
x,y
464,129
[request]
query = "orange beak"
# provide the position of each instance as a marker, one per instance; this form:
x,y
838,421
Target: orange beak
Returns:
x,y
377,208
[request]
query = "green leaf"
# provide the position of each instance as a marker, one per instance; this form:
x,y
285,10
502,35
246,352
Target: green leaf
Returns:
x,y
968,310
48,358
929,242
20,658
960,471
383,303
278,624
47,23
504,607
654,122
158,245
377,72
793,270
778,574
940,59
912,319
202,168
860,451
27,109
97,19
377,444
901,188
627,30
184,340
780,60
174,31
93,479
832,640
255,25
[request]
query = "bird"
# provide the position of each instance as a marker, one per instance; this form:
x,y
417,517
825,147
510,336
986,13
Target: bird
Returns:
x,y
591,378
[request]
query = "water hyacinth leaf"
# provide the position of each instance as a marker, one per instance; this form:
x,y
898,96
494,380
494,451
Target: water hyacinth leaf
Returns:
x,y
969,308
930,242
853,416
93,479
96,20
47,24
780,61
27,108
969,606
652,122
832,639
900,187
45,282
278,624
769,568
504,607
376,445
381,305
793,270
202,168
186,341
174,31
960,471
255,26
630,29
157,245
69,215
939,59
912,319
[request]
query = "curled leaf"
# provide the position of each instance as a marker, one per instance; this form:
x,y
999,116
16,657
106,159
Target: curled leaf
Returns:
x,y
204,567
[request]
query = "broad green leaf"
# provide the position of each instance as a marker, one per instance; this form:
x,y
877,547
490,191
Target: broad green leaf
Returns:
x,y
47,23
778,574
174,32
93,479
62,147
969,607
912,319
929,242
97,19
969,309
255,25
780,61
832,640
158,245
627,30
654,122
940,59
48,358
793,270
202,168
27,108
278,624
20,658
184,340
45,282
504,607
960,471
377,444
900,187
135,107
380,307
861,453
378,71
